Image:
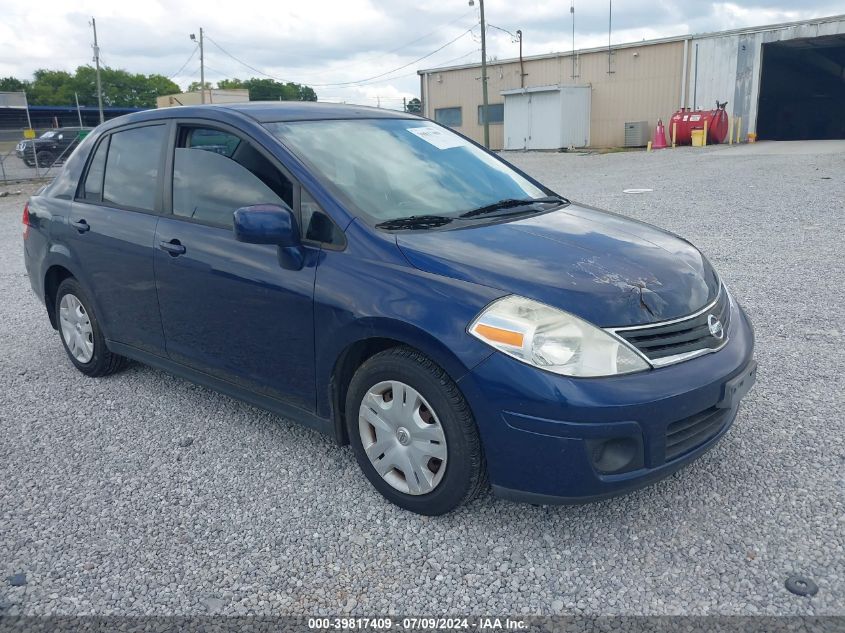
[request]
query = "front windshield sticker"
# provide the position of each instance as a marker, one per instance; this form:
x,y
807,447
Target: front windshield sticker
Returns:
x,y
438,137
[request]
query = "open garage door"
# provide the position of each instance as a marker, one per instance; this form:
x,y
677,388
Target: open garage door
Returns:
x,y
802,89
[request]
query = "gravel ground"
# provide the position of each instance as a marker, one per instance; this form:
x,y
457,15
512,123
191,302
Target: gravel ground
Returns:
x,y
105,512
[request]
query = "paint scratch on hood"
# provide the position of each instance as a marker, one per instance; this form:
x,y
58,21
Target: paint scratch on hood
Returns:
x,y
647,298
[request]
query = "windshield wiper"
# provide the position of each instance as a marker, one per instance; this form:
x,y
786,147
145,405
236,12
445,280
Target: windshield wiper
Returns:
x,y
511,203
415,222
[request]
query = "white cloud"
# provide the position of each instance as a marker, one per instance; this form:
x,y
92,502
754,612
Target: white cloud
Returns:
x,y
338,41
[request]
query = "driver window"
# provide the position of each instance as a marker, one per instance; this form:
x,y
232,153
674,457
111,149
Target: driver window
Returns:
x,y
215,173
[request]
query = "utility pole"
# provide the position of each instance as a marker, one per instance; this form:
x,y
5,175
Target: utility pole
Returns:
x,y
202,70
572,13
521,67
483,72
78,111
97,64
202,66
609,30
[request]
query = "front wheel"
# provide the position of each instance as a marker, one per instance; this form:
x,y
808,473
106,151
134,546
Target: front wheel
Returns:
x,y
413,433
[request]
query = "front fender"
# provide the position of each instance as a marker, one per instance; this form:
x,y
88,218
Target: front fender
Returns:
x,y
370,291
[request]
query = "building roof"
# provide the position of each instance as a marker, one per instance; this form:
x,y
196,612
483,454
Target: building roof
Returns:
x,y
663,40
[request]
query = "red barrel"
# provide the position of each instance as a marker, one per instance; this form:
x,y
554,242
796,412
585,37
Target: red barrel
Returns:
x,y
684,121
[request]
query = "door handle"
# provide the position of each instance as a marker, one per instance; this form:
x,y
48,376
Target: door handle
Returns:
x,y
173,247
81,225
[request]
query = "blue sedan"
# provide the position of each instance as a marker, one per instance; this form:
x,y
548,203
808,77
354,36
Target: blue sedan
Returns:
x,y
387,281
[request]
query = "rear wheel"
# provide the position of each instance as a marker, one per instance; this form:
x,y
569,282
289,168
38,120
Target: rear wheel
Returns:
x,y
413,433
81,334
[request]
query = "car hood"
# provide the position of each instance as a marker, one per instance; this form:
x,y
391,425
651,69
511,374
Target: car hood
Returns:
x,y
609,270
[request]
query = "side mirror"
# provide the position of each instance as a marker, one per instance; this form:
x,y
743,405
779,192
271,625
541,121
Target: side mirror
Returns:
x,y
271,224
266,224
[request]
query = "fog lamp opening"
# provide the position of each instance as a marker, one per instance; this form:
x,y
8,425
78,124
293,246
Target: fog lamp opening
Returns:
x,y
615,454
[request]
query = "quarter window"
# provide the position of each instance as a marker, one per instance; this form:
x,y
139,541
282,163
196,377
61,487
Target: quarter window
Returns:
x,y
132,167
316,225
215,173
93,188
448,116
495,113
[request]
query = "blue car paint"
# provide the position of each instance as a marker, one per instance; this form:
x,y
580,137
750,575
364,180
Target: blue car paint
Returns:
x,y
603,272
115,257
547,448
257,317
421,289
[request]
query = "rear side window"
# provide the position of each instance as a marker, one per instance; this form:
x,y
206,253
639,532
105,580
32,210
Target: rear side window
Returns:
x,y
93,187
132,167
215,173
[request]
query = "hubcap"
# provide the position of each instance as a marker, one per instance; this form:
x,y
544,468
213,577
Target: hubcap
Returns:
x,y
76,328
402,437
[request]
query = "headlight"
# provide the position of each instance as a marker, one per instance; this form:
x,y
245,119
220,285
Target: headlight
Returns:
x,y
554,340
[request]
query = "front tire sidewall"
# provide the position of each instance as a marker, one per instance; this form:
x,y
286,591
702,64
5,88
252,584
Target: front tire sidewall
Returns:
x,y
459,478
99,360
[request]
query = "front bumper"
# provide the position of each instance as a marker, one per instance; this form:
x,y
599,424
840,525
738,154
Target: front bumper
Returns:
x,y
546,436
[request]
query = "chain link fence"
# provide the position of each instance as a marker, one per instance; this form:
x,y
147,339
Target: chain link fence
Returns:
x,y
35,142
38,158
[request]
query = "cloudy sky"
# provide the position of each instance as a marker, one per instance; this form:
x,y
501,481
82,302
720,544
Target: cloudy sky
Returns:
x,y
361,51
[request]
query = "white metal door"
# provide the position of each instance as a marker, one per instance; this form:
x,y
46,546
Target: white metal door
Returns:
x,y
516,121
575,116
544,120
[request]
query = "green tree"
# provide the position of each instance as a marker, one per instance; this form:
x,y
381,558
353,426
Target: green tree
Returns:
x,y
51,87
13,84
120,88
265,89
414,105
195,86
230,84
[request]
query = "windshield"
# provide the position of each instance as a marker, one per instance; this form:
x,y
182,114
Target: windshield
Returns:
x,y
387,169
50,134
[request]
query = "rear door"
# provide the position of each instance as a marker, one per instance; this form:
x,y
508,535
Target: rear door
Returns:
x,y
112,232
228,308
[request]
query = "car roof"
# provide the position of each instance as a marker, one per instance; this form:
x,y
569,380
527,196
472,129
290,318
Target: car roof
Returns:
x,y
267,112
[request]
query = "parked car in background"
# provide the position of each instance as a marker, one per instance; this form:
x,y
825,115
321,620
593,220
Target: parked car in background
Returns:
x,y
52,147
378,277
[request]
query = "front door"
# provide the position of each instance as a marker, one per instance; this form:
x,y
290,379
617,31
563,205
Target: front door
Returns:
x,y
228,308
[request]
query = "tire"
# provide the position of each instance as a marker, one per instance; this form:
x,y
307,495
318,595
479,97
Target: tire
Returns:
x,y
81,334
45,159
444,477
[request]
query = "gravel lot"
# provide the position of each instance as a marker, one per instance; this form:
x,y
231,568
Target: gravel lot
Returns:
x,y
104,512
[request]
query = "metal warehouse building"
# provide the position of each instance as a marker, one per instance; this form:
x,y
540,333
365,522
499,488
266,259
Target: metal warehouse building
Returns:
x,y
786,81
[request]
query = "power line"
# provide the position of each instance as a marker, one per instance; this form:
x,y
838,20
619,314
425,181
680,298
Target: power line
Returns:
x,y
187,61
443,63
344,83
398,48
243,63
419,59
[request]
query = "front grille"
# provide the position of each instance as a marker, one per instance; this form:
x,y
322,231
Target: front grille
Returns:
x,y
683,336
685,435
